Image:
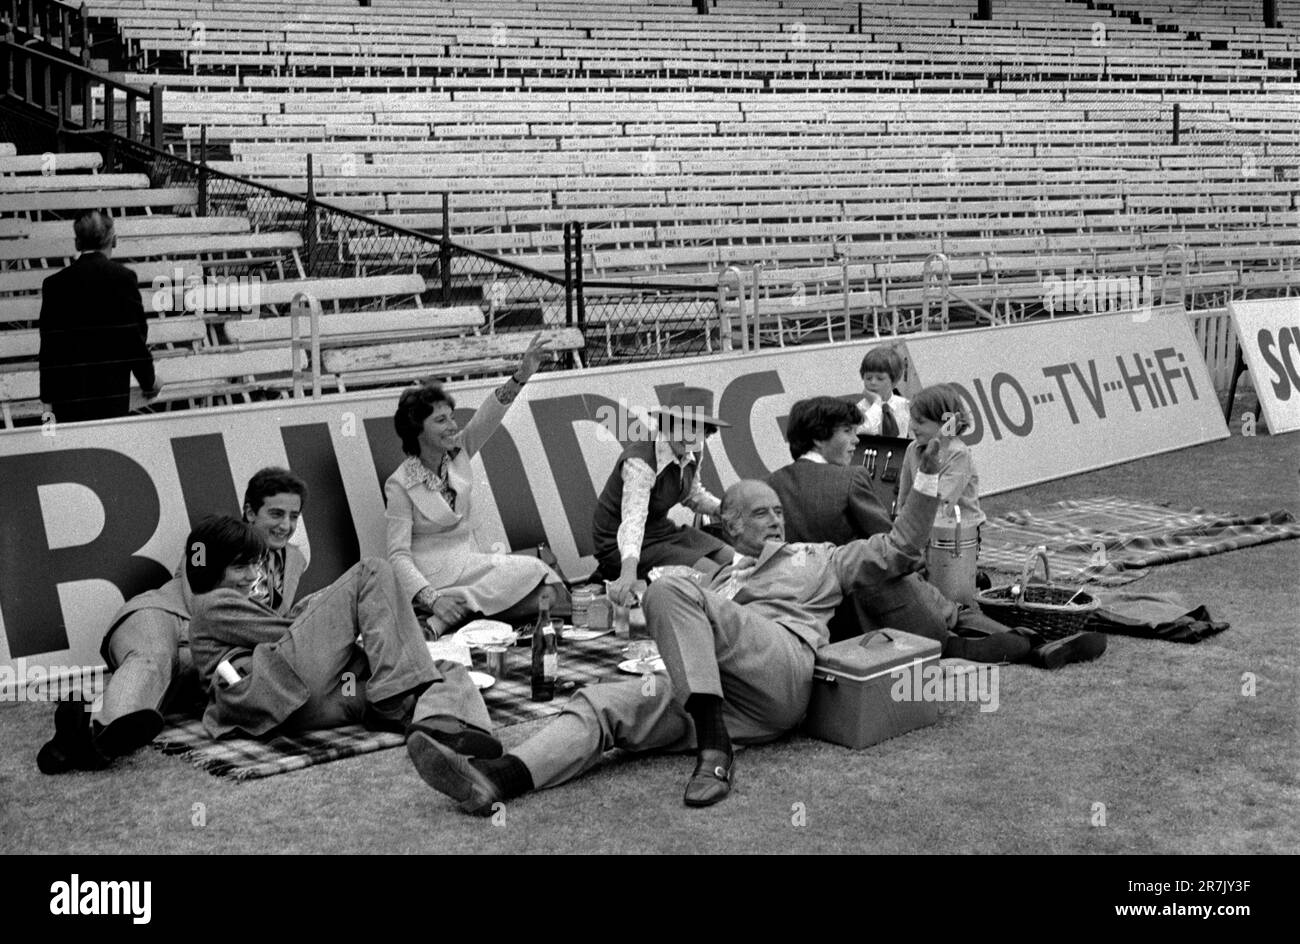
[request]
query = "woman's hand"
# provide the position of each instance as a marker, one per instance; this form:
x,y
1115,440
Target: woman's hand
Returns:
x,y
448,606
533,358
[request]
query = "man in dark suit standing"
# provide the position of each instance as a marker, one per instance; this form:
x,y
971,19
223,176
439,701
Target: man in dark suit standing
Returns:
x,y
93,331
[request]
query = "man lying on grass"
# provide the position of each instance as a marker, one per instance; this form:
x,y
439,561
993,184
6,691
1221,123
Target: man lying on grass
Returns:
x,y
269,674
739,652
147,643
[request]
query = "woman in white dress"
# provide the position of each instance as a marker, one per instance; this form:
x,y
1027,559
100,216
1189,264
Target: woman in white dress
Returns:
x,y
431,541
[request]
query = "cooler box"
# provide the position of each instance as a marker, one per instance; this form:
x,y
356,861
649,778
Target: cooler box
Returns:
x,y
852,701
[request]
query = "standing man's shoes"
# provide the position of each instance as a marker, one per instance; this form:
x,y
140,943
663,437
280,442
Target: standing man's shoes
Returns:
x,y
711,781
71,748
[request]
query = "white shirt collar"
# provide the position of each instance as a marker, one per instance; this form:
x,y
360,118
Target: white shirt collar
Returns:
x,y
665,457
812,455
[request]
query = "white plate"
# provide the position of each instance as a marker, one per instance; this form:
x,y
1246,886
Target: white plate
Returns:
x,y
482,633
482,679
582,635
633,667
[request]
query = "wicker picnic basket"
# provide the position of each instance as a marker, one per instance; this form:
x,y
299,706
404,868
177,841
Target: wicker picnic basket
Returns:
x,y
1050,610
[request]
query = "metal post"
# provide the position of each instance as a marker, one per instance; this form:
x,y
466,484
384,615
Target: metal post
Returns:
x,y
578,265
444,250
859,18
757,271
155,117
84,24
984,10
568,275
1177,116
1270,14
309,238
203,170
130,116
110,108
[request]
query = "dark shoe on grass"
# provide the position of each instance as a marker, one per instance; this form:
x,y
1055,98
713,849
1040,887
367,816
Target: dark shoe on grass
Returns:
x,y
711,781
1079,647
996,647
128,733
451,773
71,747
458,736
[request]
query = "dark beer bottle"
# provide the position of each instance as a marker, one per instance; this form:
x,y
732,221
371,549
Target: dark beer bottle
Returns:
x,y
545,653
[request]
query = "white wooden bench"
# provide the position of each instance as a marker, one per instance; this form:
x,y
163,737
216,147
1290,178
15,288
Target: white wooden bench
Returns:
x,y
409,360
26,342
112,199
199,376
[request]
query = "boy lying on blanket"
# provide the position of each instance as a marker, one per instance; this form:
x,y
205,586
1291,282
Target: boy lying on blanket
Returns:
x,y
268,674
147,643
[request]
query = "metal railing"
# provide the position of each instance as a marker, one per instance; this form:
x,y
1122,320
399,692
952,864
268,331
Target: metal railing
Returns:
x,y
48,21
77,97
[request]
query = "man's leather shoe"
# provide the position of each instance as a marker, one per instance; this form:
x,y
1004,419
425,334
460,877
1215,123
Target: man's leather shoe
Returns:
x,y
129,733
458,736
711,781
451,773
1079,647
71,748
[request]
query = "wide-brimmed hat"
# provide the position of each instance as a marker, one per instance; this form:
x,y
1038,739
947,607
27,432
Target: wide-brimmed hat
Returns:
x,y
690,403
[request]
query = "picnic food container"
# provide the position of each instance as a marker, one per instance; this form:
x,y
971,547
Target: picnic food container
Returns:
x,y
1050,610
854,681
951,558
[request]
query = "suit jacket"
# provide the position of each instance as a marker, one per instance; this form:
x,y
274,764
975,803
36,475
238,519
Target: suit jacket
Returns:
x,y
799,585
228,625
824,502
93,337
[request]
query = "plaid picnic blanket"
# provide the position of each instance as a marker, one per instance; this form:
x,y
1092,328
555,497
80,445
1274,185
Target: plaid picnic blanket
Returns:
x,y
509,701
1112,541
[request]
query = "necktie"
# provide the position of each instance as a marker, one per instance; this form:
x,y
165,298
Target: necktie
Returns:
x,y
888,425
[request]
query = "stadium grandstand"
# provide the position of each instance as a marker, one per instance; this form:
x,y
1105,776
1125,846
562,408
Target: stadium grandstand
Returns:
x,y
644,179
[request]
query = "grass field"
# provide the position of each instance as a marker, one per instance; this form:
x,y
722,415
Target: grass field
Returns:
x,y
1159,733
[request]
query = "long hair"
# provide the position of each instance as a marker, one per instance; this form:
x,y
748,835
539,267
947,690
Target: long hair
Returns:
x,y
217,542
940,401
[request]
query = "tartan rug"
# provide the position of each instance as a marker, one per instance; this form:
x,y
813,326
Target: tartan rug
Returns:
x,y
1112,541
509,702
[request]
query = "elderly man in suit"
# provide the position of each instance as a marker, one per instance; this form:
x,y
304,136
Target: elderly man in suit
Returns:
x,y
739,652
93,331
147,643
